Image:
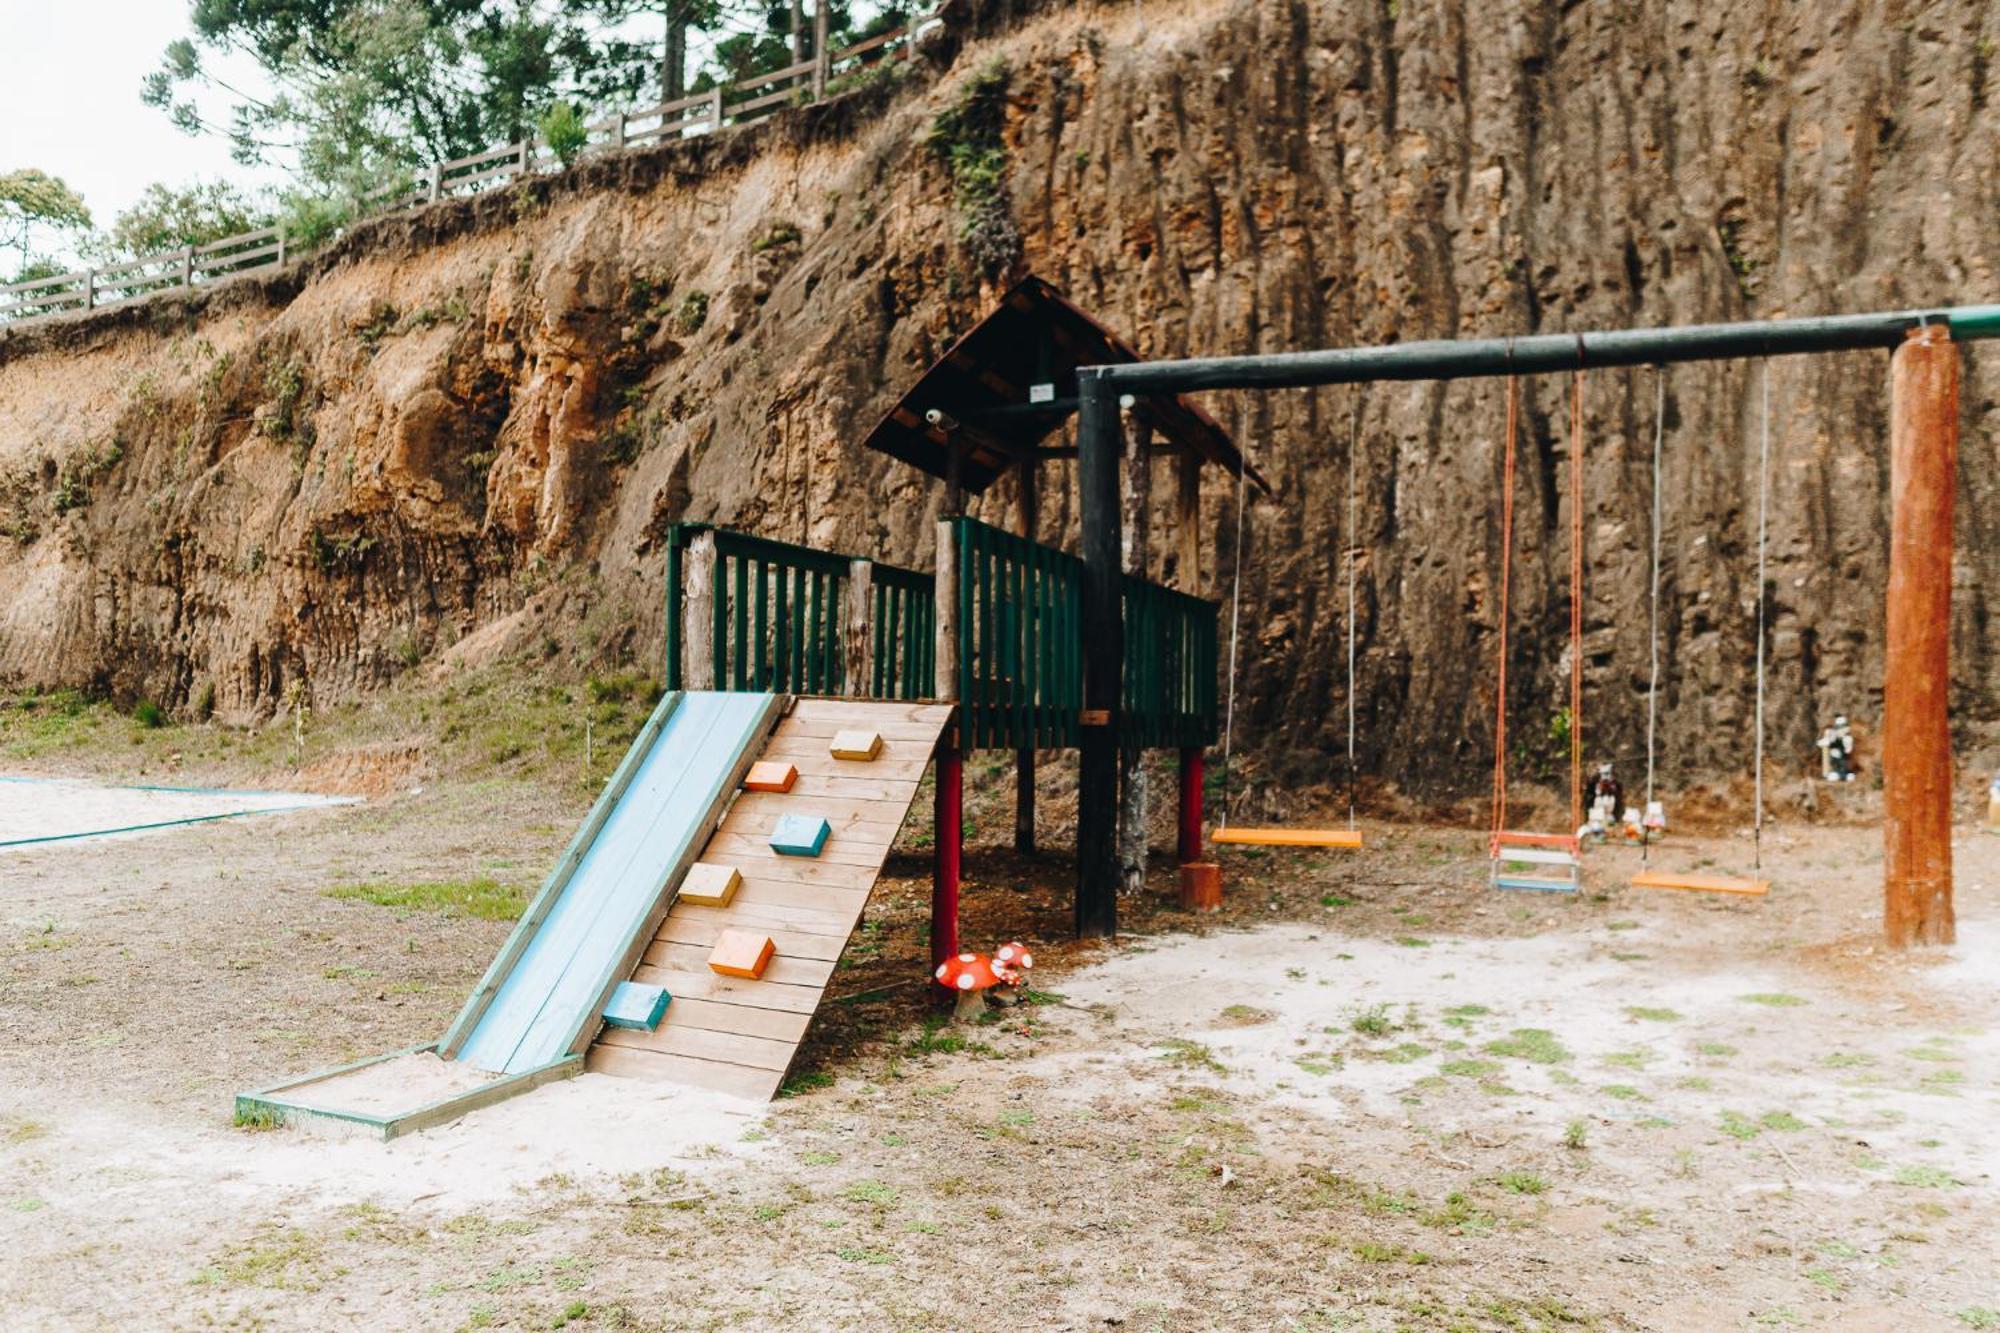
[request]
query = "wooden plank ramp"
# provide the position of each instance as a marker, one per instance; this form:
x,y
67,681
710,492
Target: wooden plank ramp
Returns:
x,y
736,1035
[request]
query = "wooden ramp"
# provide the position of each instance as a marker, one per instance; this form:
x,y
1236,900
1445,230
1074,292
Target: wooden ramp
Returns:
x,y
738,1035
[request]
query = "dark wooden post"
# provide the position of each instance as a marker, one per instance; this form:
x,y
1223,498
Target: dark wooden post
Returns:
x,y
1024,758
1187,572
948,800
1134,503
1103,659
1916,728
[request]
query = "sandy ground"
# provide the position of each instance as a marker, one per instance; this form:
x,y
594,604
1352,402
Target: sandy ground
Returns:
x,y
1372,1094
40,810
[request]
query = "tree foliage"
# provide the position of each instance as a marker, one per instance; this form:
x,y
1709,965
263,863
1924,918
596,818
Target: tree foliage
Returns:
x,y
33,202
167,219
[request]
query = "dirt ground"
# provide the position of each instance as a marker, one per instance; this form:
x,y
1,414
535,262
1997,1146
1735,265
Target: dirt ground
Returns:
x,y
1371,1094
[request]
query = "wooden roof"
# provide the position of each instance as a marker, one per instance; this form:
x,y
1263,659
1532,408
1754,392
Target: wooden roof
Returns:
x,y
1035,336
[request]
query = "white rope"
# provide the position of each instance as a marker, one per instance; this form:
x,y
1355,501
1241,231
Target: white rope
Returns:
x,y
1653,622
1763,528
1235,616
1353,445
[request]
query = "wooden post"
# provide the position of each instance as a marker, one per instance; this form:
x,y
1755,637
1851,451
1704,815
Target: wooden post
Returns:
x,y
618,131
1103,650
860,626
1024,758
187,266
798,32
1187,573
1916,728
698,614
1190,843
1136,500
821,66
281,245
436,183
948,801
715,107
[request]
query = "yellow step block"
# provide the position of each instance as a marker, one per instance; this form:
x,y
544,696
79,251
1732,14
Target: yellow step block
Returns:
x,y
860,745
709,885
741,953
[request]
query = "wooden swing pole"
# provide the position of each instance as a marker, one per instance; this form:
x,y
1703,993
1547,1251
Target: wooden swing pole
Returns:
x,y
1916,728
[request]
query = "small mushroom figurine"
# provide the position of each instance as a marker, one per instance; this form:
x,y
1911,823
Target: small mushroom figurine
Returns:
x,y
1011,962
967,975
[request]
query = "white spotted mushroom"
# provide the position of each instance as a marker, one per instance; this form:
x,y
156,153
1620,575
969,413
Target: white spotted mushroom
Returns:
x,y
967,975
1011,962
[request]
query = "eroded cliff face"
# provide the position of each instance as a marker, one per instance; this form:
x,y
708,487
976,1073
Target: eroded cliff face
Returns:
x,y
479,420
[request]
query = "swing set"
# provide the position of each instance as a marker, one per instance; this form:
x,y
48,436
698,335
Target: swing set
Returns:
x,y
1922,453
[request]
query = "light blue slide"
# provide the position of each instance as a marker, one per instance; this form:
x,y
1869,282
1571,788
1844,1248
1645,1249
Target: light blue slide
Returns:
x,y
542,997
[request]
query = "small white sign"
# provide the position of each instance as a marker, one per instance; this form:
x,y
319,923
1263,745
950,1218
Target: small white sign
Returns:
x,y
1041,393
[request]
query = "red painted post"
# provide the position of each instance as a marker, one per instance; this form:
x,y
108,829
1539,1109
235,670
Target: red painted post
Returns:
x,y
948,809
1191,779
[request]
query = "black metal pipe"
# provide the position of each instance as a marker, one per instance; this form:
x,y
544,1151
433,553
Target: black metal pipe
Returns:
x,y
1543,353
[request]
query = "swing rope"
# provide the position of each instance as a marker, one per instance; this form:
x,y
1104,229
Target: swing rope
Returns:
x,y
1353,444
1235,617
1653,620
1506,576
1763,535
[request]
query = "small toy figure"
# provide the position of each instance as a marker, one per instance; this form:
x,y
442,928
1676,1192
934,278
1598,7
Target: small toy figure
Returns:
x,y
1656,818
1836,749
1633,830
1606,787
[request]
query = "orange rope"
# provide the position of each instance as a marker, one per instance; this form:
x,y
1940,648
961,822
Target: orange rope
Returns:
x,y
1576,602
1506,575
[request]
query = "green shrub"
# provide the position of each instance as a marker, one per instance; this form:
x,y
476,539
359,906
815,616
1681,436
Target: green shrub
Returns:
x,y
565,133
148,715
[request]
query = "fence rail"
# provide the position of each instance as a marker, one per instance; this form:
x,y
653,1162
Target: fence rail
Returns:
x,y
803,82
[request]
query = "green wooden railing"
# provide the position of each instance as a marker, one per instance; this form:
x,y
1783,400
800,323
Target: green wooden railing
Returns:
x,y
1020,663
903,634
780,618
780,623
1020,613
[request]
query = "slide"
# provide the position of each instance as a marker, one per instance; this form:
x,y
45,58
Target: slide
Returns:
x,y
608,914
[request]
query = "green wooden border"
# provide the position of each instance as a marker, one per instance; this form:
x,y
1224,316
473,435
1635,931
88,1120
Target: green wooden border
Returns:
x,y
284,1110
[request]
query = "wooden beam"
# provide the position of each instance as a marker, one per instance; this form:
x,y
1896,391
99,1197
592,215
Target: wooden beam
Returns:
x,y
1916,728
1103,659
860,644
1024,758
1135,502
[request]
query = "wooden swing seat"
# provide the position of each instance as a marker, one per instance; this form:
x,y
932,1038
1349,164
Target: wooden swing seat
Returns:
x,y
1288,837
1665,879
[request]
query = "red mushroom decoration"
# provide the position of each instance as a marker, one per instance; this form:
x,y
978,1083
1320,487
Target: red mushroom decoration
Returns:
x,y
1011,962
967,975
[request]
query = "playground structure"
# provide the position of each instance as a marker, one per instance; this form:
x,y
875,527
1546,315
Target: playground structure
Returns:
x,y
689,931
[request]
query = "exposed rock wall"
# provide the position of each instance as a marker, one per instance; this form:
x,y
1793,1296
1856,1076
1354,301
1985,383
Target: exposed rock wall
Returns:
x,y
480,418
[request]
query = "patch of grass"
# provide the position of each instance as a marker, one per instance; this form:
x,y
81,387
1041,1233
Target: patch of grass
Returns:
x,y
149,715
1184,1054
1372,1252
1624,1092
1739,1126
259,1119
1469,1068
1336,900
281,1260
1634,1059
1412,942
1459,1213
1536,1045
857,1255
1926,1177
1246,1015
1576,1135
1784,1121
872,1192
1773,999
1978,1316
484,897
810,1081
1643,1014
1716,1050
1521,1182
1374,1021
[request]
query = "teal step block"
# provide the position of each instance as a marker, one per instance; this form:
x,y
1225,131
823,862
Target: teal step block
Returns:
x,y
637,1006
799,835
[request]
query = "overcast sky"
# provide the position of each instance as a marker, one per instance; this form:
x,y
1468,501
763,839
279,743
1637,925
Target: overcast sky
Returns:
x,y
69,101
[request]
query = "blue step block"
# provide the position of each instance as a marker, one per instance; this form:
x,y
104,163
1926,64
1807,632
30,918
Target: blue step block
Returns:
x,y
799,835
637,1006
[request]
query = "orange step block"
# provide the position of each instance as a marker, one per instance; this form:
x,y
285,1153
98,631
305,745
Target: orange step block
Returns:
x,y
740,953
770,775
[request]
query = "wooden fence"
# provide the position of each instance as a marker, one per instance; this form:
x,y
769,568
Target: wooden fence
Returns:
x,y
735,103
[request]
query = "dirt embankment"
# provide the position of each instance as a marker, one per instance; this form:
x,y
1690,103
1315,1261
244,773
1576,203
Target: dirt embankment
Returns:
x,y
479,419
